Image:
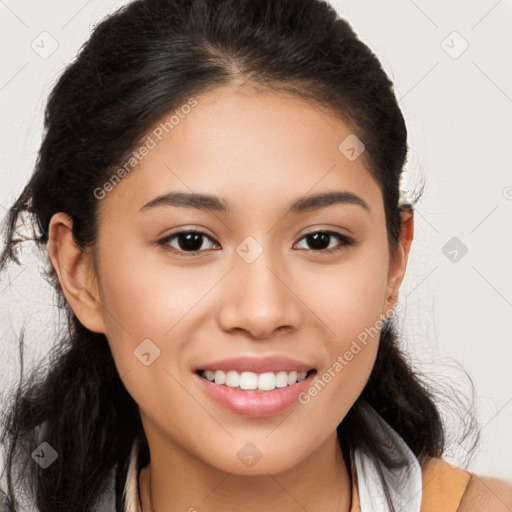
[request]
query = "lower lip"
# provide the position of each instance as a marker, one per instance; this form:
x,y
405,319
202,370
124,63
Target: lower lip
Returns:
x,y
256,404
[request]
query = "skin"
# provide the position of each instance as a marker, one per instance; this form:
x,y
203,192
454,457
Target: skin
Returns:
x,y
260,151
485,493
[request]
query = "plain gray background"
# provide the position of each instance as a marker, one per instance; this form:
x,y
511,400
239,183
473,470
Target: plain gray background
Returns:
x,y
450,63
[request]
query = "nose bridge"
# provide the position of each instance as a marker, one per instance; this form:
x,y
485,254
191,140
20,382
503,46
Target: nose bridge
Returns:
x,y
258,298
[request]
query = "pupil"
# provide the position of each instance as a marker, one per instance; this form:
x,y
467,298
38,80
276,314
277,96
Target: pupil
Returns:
x,y
189,241
318,240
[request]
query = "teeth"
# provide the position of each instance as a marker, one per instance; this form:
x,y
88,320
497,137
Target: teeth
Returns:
x,y
232,379
249,380
219,377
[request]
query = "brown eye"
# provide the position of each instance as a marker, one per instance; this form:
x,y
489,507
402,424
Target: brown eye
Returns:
x,y
320,241
188,242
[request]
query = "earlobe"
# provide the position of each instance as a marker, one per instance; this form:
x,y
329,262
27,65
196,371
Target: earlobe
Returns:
x,y
75,272
398,264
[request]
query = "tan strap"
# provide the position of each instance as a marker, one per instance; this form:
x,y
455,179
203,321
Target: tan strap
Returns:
x,y
443,487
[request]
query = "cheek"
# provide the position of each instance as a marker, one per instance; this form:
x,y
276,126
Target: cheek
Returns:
x,y
138,304
147,310
150,310
349,296
142,295
350,308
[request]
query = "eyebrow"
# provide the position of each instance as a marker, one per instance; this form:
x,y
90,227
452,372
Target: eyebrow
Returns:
x,y
214,203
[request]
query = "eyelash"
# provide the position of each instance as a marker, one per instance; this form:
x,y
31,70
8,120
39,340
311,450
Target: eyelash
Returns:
x,y
346,242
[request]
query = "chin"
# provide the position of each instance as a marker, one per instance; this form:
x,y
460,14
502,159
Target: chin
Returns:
x,y
253,459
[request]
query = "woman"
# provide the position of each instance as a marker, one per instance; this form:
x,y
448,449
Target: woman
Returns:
x,y
219,356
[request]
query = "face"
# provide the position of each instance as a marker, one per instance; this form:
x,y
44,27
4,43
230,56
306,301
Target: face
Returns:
x,y
251,292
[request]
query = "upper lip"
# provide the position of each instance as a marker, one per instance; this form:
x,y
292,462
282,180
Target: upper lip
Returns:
x,y
257,364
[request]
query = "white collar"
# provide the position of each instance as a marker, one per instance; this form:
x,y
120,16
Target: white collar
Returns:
x,y
404,484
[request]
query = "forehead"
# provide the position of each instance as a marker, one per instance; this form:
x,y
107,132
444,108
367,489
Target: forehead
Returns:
x,y
253,147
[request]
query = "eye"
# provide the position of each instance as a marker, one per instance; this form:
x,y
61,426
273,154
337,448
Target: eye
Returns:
x,y
319,239
189,242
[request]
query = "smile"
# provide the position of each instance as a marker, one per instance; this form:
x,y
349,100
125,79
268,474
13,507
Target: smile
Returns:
x,y
275,395
267,381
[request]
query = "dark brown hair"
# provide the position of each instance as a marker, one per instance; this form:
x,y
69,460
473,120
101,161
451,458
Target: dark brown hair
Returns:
x,y
141,63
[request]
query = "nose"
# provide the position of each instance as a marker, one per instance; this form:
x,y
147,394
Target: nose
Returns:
x,y
258,298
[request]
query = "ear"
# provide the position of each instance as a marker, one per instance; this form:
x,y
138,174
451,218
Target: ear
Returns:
x,y
75,270
398,262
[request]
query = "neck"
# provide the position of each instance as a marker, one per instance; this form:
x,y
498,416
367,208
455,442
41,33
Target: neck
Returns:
x,y
184,483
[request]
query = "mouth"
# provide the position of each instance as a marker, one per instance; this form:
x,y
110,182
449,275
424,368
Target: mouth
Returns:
x,y
255,395
251,381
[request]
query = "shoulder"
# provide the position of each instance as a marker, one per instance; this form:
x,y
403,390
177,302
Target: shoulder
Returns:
x,y
486,493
